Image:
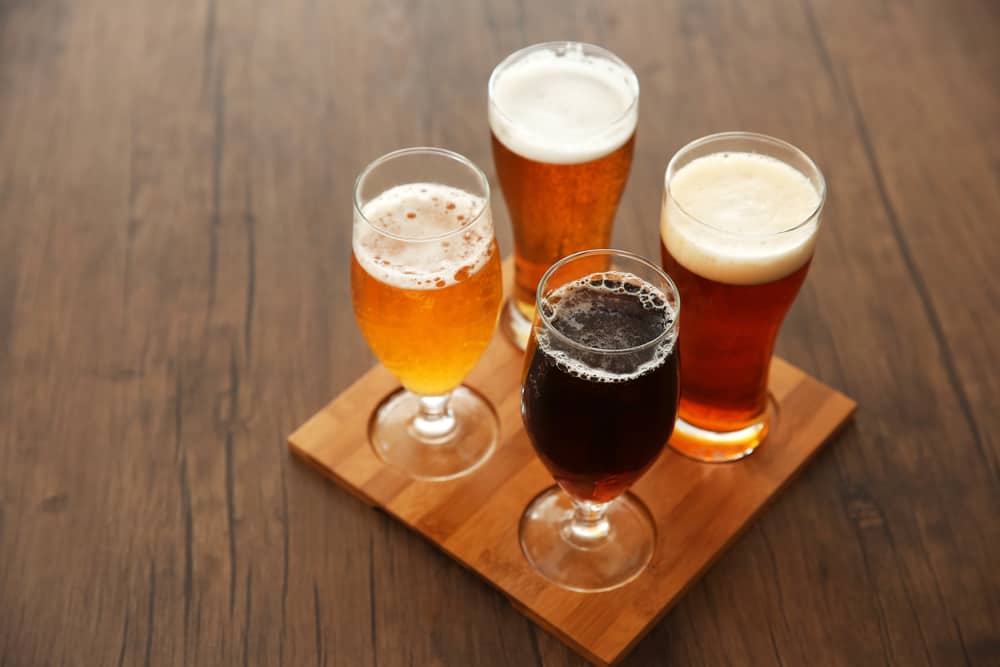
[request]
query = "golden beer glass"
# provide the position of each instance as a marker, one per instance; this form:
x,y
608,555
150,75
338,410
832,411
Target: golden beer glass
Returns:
x,y
562,121
426,287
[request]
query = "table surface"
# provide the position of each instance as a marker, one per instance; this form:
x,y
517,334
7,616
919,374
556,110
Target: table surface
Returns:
x,y
175,185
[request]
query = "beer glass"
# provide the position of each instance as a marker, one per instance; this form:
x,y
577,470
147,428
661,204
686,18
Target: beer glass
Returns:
x,y
598,400
739,223
426,287
562,121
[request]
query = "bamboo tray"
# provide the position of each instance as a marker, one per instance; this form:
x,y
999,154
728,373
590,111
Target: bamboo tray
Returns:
x,y
699,508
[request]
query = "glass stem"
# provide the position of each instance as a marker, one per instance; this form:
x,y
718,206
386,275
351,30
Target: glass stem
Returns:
x,y
589,526
435,422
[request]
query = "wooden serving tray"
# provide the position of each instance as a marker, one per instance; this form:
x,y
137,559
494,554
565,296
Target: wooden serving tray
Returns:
x,y
699,508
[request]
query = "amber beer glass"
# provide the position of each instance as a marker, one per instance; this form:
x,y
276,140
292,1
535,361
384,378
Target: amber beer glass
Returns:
x,y
562,119
598,399
426,287
740,216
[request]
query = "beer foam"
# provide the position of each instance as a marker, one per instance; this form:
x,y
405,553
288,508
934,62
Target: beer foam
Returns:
x,y
731,218
564,106
573,314
429,216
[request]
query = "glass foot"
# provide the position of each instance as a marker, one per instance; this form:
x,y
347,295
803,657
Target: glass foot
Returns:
x,y
721,447
465,440
585,562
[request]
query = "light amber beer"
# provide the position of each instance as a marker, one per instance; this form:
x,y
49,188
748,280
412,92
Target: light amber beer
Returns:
x,y
426,305
562,121
738,230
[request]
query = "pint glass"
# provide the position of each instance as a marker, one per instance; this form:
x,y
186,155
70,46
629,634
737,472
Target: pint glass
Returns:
x,y
739,222
562,118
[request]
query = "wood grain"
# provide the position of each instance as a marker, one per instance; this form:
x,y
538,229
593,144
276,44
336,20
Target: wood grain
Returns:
x,y
175,186
699,509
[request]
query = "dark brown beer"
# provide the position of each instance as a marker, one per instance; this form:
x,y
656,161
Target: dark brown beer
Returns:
x,y
600,414
729,333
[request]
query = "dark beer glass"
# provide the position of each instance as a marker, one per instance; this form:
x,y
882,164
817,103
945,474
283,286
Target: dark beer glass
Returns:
x,y
599,398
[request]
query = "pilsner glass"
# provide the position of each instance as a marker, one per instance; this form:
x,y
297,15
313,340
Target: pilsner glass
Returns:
x,y
598,399
739,223
426,287
562,122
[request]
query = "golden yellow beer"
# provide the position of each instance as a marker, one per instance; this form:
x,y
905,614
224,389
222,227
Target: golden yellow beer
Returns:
x,y
562,122
426,305
426,287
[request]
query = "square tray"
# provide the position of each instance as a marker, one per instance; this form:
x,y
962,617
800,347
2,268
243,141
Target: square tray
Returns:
x,y
699,508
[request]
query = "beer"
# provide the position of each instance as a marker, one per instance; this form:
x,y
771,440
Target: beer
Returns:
x,y
562,122
598,399
426,286
599,420
738,231
427,305
725,376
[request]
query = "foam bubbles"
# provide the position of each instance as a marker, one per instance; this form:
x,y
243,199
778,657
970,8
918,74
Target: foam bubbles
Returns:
x,y
580,312
444,242
748,203
563,107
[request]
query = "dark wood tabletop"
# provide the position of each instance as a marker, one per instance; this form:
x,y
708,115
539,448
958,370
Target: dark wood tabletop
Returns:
x,y
175,221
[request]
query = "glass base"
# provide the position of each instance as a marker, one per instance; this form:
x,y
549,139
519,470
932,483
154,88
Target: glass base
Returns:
x,y
467,443
720,447
580,562
515,324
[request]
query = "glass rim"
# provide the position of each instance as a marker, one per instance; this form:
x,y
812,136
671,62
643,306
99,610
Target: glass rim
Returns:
x,y
672,169
422,150
550,328
554,46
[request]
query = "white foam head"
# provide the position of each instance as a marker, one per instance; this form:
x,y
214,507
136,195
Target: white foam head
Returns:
x,y
423,235
740,218
563,103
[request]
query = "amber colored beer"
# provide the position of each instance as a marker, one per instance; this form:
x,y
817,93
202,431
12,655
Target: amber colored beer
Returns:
x,y
562,123
427,308
557,209
738,231
729,333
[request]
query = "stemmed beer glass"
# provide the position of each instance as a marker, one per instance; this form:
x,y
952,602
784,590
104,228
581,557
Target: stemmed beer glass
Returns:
x,y
598,399
426,287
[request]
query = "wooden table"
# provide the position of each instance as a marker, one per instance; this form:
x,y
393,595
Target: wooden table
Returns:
x,y
175,185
